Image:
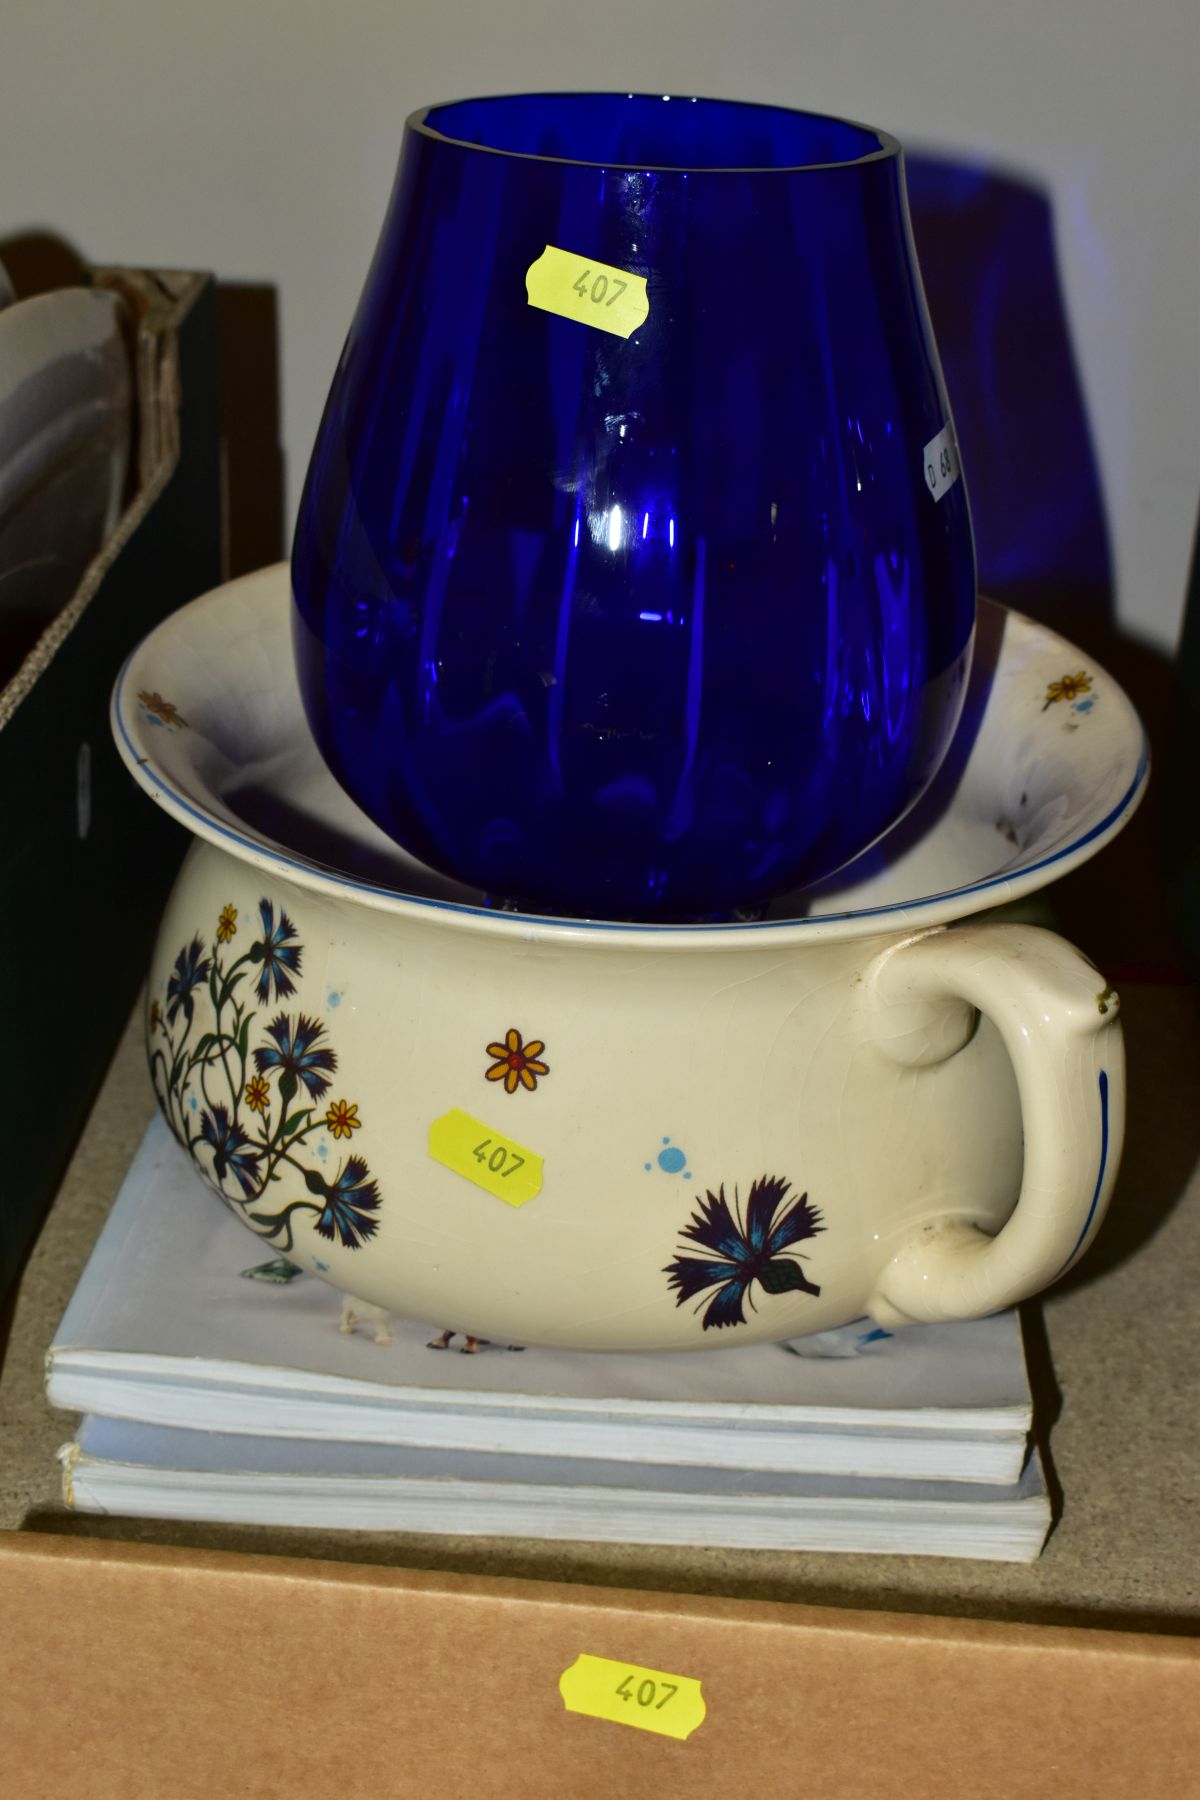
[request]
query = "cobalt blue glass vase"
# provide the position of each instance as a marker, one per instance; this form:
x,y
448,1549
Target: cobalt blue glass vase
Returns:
x,y
633,574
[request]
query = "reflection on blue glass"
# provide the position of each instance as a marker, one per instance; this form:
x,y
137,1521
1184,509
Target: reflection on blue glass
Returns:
x,y
652,627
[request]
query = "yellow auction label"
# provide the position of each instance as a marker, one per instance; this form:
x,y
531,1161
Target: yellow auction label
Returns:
x,y
648,1699
594,293
486,1157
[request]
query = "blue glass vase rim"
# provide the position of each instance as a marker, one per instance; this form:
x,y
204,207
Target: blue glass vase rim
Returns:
x,y
888,148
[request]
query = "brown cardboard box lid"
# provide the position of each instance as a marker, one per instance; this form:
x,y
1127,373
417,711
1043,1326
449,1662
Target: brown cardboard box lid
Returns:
x,y
142,1671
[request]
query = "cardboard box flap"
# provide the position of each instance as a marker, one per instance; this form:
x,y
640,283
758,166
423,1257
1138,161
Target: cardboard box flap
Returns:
x,y
158,304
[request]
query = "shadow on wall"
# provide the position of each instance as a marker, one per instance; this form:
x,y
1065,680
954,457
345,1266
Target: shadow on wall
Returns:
x,y
987,253
986,244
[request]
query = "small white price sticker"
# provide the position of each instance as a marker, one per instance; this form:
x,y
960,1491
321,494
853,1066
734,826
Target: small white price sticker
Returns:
x,y
591,292
626,1694
486,1157
942,467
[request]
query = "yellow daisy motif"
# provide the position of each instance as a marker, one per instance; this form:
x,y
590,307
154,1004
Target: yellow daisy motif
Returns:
x,y
517,1064
165,711
257,1094
1067,687
342,1118
226,924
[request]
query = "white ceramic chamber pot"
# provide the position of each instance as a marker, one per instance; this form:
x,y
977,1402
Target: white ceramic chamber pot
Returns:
x,y
555,1132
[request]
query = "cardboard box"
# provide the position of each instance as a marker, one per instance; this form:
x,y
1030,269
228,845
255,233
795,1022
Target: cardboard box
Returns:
x,y
159,1674
85,859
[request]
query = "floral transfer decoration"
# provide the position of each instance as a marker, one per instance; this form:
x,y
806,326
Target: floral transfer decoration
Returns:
x,y
296,1054
278,1272
671,1160
161,712
278,953
1070,688
517,1064
258,1094
342,1119
247,1100
190,972
742,1253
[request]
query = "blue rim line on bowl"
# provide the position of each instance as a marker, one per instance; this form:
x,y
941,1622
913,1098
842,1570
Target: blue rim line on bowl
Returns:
x,y
923,912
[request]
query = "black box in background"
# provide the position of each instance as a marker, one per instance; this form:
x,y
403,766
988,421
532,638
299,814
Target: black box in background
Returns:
x,y
86,859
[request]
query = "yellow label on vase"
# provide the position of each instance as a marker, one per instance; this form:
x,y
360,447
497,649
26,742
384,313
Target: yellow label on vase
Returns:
x,y
591,292
485,1156
627,1694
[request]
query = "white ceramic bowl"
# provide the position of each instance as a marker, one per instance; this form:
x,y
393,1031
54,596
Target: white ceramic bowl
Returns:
x,y
599,1135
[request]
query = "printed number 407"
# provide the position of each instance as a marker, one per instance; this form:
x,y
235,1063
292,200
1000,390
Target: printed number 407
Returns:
x,y
599,288
646,1692
497,1159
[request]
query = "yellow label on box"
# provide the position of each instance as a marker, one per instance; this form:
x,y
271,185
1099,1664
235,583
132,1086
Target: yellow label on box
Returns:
x,y
647,1699
488,1158
591,292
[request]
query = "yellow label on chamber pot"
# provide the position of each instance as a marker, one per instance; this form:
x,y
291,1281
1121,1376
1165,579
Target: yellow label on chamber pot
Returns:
x,y
591,292
627,1694
488,1158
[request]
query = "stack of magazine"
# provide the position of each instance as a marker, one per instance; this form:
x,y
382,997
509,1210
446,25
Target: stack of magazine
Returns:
x,y
219,1385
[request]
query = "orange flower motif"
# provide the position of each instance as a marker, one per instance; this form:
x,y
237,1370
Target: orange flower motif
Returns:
x,y
1068,687
342,1118
257,1094
165,711
517,1063
226,924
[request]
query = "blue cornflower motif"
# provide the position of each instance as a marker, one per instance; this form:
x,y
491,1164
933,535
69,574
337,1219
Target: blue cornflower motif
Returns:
x,y
231,1148
278,953
349,1203
191,968
745,1254
296,1055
